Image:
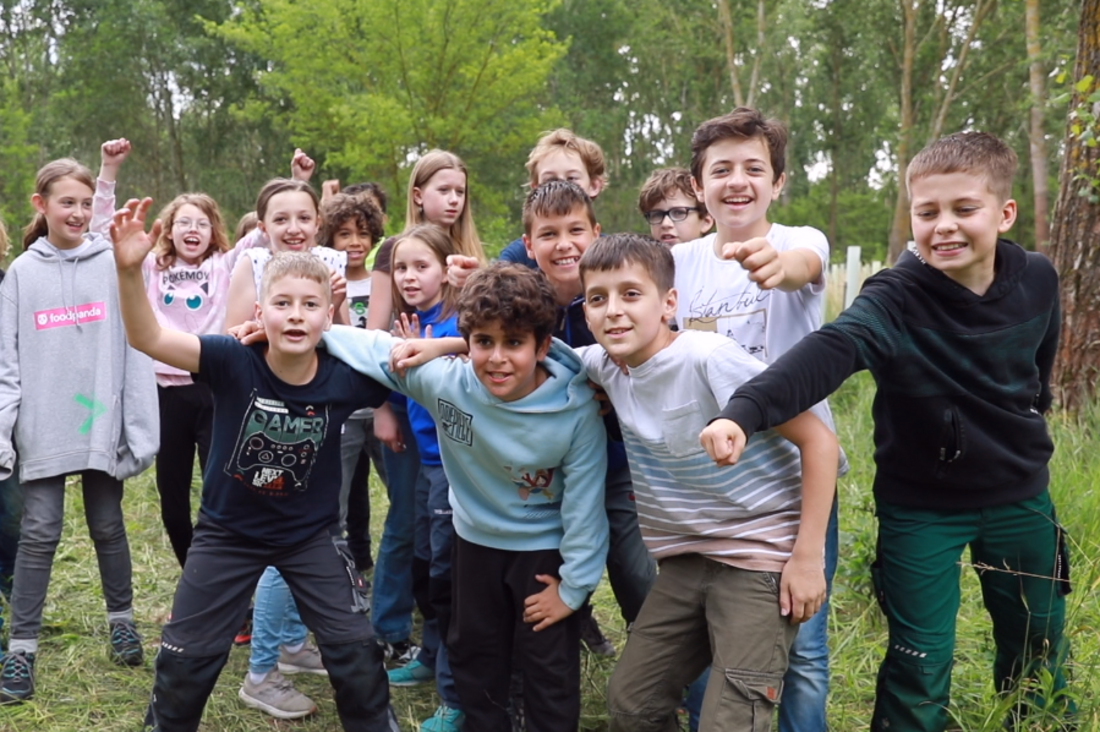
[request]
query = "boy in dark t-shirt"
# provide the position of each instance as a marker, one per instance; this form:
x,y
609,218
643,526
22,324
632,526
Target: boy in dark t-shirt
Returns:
x,y
270,493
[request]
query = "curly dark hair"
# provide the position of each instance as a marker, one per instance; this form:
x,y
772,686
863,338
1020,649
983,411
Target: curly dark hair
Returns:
x,y
520,299
341,207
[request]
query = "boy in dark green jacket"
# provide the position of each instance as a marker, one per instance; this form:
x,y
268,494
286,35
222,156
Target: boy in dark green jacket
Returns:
x,y
960,337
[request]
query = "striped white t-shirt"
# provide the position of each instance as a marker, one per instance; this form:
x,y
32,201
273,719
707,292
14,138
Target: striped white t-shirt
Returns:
x,y
746,515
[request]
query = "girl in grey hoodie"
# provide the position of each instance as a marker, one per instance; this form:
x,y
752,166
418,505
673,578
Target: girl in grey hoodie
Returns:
x,y
74,399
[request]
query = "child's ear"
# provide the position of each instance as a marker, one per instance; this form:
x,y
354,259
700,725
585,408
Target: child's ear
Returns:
x,y
777,187
698,190
328,318
258,313
39,203
261,227
527,246
707,221
668,313
543,349
418,197
1008,216
596,188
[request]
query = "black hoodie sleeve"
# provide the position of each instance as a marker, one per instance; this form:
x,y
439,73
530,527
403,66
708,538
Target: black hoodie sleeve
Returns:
x,y
1044,357
865,336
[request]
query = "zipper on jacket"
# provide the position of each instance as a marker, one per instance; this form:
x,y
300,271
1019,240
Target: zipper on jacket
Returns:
x,y
950,441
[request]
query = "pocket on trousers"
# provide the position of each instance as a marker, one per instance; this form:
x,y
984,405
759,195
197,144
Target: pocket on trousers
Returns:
x,y
748,701
1061,559
360,588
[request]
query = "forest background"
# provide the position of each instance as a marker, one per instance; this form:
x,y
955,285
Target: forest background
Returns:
x,y
215,94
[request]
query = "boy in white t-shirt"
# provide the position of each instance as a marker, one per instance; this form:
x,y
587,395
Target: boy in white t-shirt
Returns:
x,y
761,284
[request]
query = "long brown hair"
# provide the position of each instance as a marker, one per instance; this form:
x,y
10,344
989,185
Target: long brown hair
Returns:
x,y
49,174
442,245
462,231
165,248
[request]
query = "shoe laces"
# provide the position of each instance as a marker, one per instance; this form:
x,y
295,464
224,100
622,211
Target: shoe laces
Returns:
x,y
124,634
446,713
18,665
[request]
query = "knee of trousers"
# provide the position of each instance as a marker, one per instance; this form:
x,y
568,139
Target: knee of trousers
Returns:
x,y
109,532
630,711
181,688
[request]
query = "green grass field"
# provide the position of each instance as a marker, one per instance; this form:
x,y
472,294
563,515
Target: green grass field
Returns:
x,y
80,689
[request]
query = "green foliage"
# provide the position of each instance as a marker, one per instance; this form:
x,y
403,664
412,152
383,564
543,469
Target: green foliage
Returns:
x,y
863,218
1084,126
18,153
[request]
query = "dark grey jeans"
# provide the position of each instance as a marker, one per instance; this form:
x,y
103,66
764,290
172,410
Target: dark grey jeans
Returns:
x,y
40,531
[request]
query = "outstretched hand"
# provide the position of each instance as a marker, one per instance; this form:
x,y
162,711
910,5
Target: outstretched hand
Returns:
x,y
760,259
459,269
408,326
302,166
131,243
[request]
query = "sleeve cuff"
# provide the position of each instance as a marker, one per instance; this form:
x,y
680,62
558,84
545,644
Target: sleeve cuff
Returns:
x,y
573,597
745,412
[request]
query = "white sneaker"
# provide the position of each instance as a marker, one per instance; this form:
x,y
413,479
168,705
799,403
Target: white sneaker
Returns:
x,y
276,696
306,661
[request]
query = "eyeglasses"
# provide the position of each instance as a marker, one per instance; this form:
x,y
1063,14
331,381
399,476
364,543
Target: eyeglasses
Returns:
x,y
201,224
677,214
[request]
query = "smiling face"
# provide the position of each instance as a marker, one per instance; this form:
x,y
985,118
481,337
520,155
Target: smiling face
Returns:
x,y
670,232
627,313
191,233
557,243
294,312
67,208
443,197
738,184
563,164
290,221
956,220
357,242
507,363
418,274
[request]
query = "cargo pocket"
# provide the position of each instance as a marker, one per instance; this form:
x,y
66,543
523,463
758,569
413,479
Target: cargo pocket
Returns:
x,y
748,701
360,588
877,584
1061,559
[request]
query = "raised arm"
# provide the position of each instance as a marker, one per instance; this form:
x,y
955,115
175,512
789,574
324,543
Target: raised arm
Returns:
x,y
142,329
111,156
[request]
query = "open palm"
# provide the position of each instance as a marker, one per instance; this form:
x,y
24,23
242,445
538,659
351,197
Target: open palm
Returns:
x,y
128,233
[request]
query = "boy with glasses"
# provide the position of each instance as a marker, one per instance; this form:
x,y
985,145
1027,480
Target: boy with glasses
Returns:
x,y
668,204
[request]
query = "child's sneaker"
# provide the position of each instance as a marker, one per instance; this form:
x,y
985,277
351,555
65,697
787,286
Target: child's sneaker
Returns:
x,y
413,673
276,696
594,638
445,719
306,661
399,653
126,644
16,677
244,635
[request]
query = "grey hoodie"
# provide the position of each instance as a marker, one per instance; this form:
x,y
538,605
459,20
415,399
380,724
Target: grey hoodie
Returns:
x,y
73,395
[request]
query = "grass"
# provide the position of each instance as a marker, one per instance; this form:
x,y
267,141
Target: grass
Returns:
x,y
80,689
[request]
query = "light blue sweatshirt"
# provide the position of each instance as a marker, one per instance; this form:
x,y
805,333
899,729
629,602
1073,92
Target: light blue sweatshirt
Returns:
x,y
525,475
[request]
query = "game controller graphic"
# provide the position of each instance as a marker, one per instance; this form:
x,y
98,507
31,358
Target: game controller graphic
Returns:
x,y
260,451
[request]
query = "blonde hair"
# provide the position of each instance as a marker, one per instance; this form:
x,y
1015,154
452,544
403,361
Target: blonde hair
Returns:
x,y
442,245
165,248
49,174
975,153
304,265
462,231
247,223
590,153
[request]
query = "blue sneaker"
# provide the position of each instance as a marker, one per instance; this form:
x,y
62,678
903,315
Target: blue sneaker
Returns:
x,y
413,673
445,719
16,677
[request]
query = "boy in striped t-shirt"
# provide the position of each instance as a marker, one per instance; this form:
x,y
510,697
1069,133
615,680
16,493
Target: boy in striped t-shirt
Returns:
x,y
741,548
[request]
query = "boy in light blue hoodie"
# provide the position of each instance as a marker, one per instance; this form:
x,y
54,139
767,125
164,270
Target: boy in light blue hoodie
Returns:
x,y
525,452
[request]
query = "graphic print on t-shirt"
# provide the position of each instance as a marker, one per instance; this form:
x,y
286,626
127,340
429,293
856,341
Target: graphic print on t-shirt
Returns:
x,y
276,450
743,317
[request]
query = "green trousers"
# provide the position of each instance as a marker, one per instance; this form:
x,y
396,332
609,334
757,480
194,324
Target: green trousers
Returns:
x,y
1019,553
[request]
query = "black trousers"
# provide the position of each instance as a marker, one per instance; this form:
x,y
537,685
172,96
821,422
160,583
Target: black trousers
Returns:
x,y
220,575
489,589
186,423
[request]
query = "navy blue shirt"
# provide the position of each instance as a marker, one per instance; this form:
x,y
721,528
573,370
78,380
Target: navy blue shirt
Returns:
x,y
516,252
274,468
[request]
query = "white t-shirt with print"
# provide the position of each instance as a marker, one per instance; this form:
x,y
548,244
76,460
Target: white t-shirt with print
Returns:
x,y
717,295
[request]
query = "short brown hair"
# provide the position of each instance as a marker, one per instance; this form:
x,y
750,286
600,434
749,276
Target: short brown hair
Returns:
x,y
555,198
275,186
663,183
743,123
520,299
564,139
343,206
977,153
165,248
618,250
304,265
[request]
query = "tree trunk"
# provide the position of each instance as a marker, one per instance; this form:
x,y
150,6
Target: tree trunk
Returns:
x,y
1075,234
899,232
1037,143
725,18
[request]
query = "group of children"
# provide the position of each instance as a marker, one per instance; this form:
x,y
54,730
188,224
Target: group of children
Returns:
x,y
654,406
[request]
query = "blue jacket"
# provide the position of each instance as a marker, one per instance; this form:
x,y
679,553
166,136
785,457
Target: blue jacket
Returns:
x,y
525,475
423,426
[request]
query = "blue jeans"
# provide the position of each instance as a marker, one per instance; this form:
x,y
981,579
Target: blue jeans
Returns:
x,y
275,622
806,683
392,602
434,541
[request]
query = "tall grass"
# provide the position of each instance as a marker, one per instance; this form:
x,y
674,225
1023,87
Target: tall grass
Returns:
x,y
80,689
